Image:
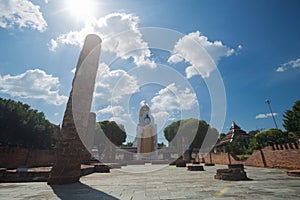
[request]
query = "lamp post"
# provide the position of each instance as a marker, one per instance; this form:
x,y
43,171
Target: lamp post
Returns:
x,y
268,102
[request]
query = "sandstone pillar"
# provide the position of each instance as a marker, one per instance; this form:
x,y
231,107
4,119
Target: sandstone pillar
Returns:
x,y
70,149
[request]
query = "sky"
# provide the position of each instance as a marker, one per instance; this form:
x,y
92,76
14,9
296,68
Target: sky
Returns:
x,y
214,60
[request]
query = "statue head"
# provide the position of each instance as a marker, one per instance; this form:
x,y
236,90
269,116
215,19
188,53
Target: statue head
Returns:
x,y
145,115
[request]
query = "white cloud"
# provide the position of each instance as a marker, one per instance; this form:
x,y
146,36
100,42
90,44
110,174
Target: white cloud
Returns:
x,y
263,116
295,63
22,13
120,35
53,45
116,113
113,85
171,99
281,69
286,66
111,110
34,84
191,71
194,48
112,89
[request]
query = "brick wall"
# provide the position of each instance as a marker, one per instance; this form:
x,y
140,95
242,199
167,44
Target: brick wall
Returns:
x,y
15,157
277,156
221,158
256,159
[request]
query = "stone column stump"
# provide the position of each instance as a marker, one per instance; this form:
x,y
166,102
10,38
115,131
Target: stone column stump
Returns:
x,y
233,174
195,168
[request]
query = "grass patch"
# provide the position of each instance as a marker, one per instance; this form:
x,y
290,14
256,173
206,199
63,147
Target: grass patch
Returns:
x,y
243,157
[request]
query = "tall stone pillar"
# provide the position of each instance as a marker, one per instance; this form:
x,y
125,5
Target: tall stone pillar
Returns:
x,y
70,149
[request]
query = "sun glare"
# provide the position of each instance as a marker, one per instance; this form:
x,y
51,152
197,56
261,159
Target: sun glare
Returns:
x,y
81,9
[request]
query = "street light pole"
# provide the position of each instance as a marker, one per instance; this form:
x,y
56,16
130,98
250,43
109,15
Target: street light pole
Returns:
x,y
268,102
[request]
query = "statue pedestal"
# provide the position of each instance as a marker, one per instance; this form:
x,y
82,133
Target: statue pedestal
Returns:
x,y
147,142
146,137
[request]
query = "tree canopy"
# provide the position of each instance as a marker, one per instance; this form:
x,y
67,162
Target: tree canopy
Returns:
x,y
171,130
114,132
252,133
222,136
291,119
109,131
272,136
239,145
25,127
192,130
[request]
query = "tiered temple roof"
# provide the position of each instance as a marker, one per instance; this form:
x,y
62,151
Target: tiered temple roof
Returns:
x,y
234,131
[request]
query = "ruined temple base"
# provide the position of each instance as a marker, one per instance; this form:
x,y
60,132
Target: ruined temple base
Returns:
x,y
35,174
233,174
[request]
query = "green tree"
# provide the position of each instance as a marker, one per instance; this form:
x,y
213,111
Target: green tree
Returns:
x,y
291,119
114,132
171,130
24,127
161,145
253,133
239,145
253,145
271,137
108,134
192,130
222,135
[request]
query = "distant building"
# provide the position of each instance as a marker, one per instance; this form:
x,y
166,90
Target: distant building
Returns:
x,y
234,132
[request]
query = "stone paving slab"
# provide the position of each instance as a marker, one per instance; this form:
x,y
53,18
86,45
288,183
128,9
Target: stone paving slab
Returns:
x,y
168,182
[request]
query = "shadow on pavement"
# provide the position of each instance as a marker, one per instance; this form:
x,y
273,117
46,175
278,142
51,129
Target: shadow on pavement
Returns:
x,y
79,191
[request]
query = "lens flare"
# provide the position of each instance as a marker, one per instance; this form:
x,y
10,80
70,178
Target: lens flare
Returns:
x,y
81,9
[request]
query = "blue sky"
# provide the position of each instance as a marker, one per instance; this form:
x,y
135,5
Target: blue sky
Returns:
x,y
254,46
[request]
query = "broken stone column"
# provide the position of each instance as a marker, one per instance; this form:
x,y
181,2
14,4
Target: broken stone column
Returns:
x,y
235,172
70,150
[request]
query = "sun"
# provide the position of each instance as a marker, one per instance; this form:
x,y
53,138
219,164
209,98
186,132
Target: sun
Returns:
x,y
81,9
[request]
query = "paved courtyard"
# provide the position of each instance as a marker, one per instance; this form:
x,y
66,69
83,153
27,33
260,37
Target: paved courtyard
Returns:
x,y
168,182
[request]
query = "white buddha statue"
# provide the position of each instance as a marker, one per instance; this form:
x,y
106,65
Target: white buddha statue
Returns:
x,y
146,135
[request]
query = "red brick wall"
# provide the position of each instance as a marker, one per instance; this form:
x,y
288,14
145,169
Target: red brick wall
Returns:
x,y
276,156
40,158
283,156
255,159
15,157
221,158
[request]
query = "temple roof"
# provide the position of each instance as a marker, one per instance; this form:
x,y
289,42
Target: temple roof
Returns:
x,y
234,126
234,131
